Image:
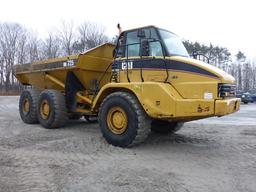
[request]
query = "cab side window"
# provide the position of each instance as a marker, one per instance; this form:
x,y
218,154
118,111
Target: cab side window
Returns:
x,y
121,47
155,49
132,45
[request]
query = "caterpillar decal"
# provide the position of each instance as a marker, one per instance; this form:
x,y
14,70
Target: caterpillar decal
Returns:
x,y
161,64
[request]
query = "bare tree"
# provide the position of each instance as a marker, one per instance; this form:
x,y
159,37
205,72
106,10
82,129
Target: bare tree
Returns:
x,y
21,49
67,36
19,46
51,46
90,35
1,71
33,47
9,38
247,76
254,76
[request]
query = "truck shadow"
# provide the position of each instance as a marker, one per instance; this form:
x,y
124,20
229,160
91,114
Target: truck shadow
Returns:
x,y
179,138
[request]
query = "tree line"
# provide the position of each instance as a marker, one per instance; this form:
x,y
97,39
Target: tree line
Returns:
x,y
19,45
238,66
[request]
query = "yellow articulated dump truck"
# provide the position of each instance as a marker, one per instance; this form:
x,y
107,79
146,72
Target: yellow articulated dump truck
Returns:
x,y
146,82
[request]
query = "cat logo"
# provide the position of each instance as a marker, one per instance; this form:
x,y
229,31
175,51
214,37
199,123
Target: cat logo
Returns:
x,y
125,64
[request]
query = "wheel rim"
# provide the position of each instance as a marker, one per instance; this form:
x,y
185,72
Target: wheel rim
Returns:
x,y
44,109
117,120
26,106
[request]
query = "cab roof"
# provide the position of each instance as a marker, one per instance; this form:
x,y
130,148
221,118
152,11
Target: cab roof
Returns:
x,y
147,26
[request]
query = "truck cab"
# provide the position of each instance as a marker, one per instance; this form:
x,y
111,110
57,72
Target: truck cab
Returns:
x,y
152,55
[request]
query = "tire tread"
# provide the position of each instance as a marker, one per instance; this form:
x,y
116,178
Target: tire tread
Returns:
x,y
144,122
32,118
60,110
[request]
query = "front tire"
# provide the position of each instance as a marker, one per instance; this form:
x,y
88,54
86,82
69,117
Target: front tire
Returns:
x,y
122,120
28,106
51,110
164,127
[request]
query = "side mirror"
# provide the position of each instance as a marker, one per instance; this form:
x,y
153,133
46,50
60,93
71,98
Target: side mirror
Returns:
x,y
145,48
141,33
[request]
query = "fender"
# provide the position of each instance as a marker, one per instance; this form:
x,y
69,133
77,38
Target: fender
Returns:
x,y
157,99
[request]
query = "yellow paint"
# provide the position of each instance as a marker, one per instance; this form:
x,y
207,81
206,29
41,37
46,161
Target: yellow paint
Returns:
x,y
93,63
25,106
84,111
162,101
55,80
181,97
117,120
224,107
44,109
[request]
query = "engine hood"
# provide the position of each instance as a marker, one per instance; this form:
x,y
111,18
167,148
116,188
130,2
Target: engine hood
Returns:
x,y
220,74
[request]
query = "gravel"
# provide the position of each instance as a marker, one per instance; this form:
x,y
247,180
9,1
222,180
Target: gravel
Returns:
x,y
215,154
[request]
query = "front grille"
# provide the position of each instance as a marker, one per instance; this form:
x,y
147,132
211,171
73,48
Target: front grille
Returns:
x,y
226,90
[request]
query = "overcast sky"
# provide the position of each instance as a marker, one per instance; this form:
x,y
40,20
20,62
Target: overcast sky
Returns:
x,y
223,22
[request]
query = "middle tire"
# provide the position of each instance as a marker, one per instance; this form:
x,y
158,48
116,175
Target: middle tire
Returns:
x,y
51,109
122,120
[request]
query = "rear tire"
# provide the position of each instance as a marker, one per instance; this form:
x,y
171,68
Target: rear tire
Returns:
x,y
51,110
163,127
122,120
28,106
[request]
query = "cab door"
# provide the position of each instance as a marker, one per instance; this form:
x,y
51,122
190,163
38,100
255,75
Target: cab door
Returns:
x,y
136,67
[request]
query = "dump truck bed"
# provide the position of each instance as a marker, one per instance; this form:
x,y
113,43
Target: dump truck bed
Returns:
x,y
88,67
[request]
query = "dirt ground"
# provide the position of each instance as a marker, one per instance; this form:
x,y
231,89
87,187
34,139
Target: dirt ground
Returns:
x,y
216,154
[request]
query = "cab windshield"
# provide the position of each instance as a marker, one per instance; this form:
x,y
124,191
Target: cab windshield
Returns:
x,y
173,44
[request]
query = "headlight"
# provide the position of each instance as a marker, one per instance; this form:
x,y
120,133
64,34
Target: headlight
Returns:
x,y
226,90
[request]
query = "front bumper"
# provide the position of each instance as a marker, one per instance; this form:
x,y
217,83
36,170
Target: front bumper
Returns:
x,y
227,106
201,108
